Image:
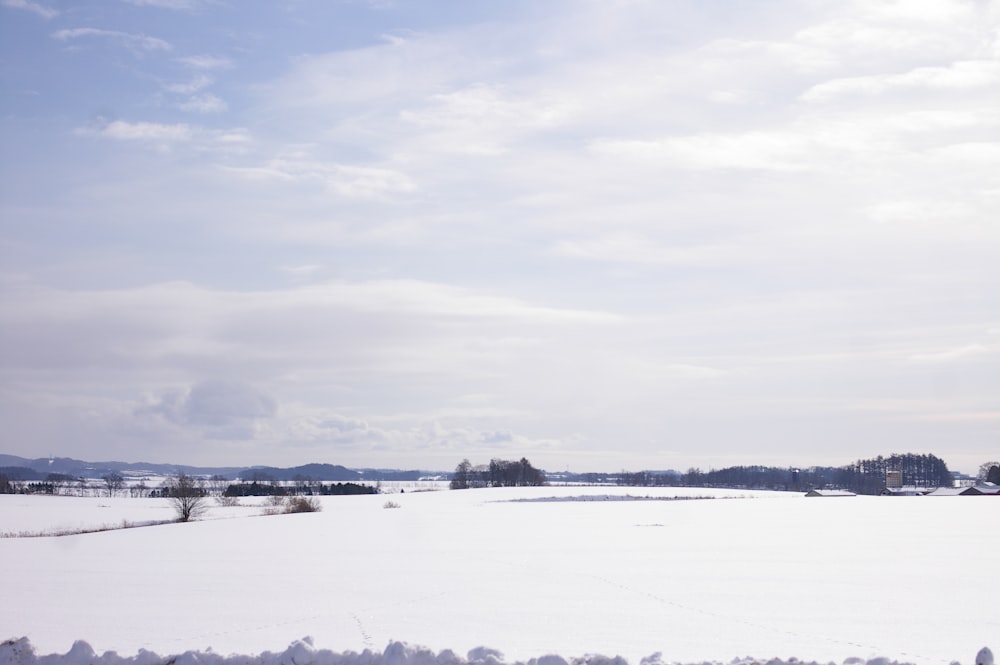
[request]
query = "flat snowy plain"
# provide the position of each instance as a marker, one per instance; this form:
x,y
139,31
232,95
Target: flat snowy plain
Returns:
x,y
749,574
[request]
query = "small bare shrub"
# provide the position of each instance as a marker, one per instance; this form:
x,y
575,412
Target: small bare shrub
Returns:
x,y
302,504
228,501
391,504
284,505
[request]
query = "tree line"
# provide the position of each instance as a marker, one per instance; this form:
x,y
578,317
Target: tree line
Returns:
x,y
311,489
865,476
498,473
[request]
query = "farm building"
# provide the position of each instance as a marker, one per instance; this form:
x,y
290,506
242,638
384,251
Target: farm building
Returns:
x,y
829,493
905,491
978,490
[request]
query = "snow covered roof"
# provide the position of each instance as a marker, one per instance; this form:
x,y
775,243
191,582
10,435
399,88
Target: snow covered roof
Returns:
x,y
905,491
978,490
829,493
950,491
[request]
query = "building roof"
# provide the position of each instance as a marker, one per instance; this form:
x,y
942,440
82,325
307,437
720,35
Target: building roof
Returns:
x,y
905,491
978,490
829,493
950,491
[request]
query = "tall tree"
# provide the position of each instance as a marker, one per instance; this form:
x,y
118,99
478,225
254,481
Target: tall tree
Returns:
x,y
460,480
187,495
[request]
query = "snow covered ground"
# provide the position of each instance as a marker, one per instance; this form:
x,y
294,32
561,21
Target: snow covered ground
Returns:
x,y
770,575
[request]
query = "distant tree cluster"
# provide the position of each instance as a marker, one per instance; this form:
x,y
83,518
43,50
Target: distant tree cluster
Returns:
x,y
15,481
867,476
499,473
304,489
735,477
989,472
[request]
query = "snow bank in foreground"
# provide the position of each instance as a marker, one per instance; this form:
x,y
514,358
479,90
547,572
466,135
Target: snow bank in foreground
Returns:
x,y
302,652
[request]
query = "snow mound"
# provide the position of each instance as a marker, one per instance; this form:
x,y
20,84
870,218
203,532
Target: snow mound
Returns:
x,y
303,652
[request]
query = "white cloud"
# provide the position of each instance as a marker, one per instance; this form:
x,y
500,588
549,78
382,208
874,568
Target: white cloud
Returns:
x,y
182,5
975,74
206,62
767,151
364,181
147,132
932,13
199,82
969,351
482,119
920,211
221,143
345,179
972,153
303,271
734,96
132,41
206,103
631,248
795,55
27,5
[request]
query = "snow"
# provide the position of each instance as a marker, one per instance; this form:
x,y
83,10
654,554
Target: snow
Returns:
x,y
758,575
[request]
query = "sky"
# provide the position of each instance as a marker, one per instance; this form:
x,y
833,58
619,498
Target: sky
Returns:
x,y
601,235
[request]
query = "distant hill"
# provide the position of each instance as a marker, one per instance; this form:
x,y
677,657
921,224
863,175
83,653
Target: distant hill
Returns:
x,y
83,469
21,473
21,468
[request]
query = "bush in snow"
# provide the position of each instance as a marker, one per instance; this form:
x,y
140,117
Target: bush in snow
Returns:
x,y
293,504
302,504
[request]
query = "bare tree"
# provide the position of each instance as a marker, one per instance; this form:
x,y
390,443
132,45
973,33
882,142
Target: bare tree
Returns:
x,y
139,489
460,480
113,482
188,496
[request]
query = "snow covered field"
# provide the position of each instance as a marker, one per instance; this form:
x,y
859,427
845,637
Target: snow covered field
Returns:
x,y
767,575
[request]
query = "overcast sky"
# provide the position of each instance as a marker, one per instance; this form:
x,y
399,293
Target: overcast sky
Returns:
x,y
603,235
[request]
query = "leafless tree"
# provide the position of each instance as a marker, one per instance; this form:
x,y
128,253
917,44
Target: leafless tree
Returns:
x,y
188,496
114,483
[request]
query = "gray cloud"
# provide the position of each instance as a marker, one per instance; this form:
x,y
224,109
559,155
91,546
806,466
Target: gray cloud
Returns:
x,y
226,409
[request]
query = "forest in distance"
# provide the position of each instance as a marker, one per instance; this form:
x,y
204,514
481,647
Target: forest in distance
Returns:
x,y
865,476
